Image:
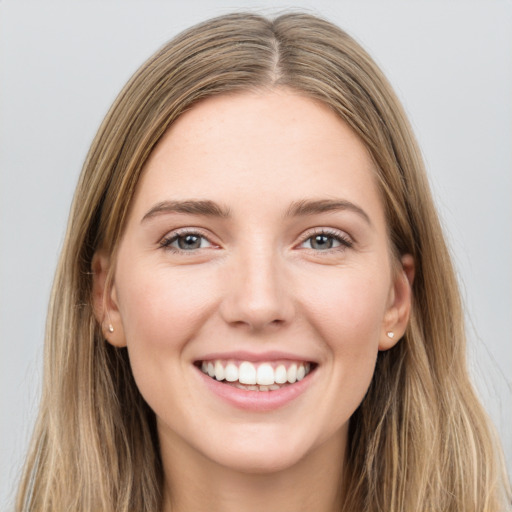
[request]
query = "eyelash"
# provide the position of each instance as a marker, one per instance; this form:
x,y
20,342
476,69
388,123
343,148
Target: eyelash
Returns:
x,y
344,241
166,242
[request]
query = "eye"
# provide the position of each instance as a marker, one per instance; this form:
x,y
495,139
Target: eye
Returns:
x,y
185,241
324,241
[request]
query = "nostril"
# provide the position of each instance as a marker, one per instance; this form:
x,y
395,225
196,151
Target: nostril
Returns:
x,y
257,323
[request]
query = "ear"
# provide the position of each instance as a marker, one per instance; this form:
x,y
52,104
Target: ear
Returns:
x,y
105,305
399,309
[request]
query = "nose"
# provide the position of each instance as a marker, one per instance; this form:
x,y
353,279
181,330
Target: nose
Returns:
x,y
258,295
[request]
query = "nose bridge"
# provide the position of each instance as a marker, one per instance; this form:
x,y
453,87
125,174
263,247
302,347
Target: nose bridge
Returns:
x,y
257,295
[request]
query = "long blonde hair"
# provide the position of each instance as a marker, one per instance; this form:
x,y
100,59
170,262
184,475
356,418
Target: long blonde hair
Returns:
x,y
419,440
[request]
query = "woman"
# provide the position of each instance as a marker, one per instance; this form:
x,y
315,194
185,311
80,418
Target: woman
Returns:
x,y
255,307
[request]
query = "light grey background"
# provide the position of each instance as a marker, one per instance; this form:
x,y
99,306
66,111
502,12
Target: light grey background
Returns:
x,y
62,63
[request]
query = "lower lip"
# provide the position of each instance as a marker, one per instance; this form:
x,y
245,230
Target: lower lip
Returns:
x,y
257,400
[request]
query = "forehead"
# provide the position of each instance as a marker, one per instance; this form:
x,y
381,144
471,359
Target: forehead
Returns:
x,y
245,149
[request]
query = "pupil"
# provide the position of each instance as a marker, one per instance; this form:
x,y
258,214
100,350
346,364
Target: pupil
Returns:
x,y
189,242
321,242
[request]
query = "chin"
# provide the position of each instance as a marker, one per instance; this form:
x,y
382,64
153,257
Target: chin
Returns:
x,y
262,448
258,461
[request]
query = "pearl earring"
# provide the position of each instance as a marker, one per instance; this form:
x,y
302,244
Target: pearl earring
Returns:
x,y
391,334
110,326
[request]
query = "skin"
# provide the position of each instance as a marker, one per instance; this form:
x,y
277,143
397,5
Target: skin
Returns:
x,y
257,283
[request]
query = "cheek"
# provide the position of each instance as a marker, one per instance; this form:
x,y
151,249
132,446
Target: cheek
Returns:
x,y
350,311
160,307
348,318
160,312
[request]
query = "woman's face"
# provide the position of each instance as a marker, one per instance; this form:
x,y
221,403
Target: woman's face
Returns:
x,y
256,250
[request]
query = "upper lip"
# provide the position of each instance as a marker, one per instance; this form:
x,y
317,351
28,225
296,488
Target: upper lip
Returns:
x,y
255,357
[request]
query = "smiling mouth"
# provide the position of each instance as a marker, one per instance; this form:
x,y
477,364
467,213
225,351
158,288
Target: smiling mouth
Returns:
x,y
264,376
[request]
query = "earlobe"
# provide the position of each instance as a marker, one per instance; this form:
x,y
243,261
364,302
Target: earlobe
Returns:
x,y
105,301
397,315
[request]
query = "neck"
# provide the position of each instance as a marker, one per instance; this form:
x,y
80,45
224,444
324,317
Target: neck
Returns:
x,y
193,482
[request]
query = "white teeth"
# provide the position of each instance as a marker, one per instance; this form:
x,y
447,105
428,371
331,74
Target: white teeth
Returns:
x,y
247,373
292,373
219,371
255,377
265,374
231,373
280,376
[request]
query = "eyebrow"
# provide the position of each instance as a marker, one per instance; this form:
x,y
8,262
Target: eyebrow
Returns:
x,y
209,208
194,207
313,207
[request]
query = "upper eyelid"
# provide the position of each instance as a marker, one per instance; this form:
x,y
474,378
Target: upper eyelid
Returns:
x,y
323,229
192,230
334,232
